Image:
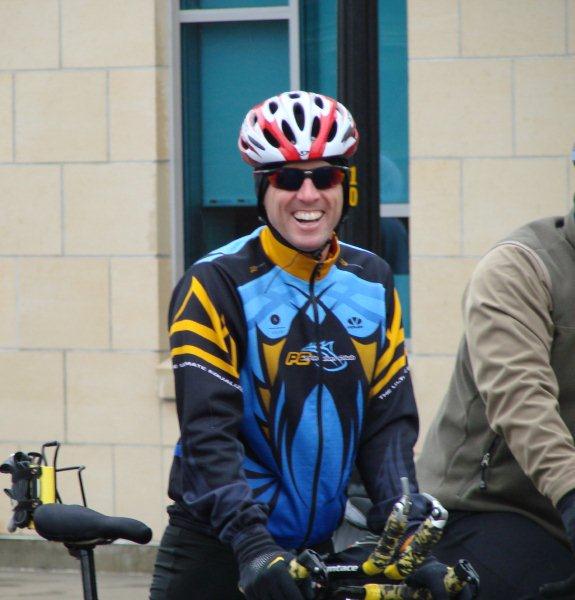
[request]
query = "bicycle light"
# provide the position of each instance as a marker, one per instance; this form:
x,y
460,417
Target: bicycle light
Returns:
x,y
8,466
33,484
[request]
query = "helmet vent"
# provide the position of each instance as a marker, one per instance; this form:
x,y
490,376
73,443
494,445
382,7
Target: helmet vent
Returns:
x,y
296,126
255,143
348,134
332,131
299,115
288,132
271,139
315,128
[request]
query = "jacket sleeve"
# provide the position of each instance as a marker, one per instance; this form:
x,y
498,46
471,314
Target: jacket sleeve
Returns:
x,y
206,340
391,423
509,331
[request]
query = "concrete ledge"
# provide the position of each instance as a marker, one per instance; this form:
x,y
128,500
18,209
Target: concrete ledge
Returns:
x,y
23,552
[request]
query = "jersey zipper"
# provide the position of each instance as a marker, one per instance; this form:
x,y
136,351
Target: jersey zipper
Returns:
x,y
486,462
317,469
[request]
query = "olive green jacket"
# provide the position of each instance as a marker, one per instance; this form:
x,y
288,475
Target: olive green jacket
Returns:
x,y
503,437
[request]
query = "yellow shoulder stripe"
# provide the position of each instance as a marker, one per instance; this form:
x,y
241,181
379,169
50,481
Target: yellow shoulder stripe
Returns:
x,y
209,358
217,334
395,367
185,302
395,336
194,327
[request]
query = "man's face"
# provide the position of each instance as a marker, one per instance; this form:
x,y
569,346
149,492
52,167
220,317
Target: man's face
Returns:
x,y
307,217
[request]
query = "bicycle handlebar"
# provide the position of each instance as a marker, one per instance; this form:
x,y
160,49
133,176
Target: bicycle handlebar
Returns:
x,y
75,524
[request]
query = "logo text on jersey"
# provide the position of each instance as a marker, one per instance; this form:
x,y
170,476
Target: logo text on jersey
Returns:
x,y
330,361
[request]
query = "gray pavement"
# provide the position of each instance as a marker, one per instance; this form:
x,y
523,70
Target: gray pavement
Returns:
x,y
67,585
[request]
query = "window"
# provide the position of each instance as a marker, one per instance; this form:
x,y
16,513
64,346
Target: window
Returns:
x,y
222,48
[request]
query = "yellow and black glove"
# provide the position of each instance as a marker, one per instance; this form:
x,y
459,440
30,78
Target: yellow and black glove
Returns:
x,y
267,571
268,577
443,582
396,556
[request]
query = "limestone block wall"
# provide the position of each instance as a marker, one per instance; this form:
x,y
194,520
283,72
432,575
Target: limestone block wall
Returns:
x,y
492,90
84,244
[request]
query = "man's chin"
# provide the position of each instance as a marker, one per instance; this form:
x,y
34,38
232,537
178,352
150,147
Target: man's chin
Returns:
x,y
309,246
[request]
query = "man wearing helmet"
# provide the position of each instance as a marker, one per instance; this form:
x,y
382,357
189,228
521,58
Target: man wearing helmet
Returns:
x,y
308,132
290,367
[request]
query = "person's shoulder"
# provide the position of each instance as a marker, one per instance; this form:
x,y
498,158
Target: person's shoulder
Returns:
x,y
232,250
511,258
221,263
358,253
510,273
363,262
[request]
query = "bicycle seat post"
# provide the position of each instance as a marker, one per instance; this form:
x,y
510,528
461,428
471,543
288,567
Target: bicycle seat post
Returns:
x,y
85,554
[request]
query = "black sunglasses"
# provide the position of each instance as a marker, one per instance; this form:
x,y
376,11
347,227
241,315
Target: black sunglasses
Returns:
x,y
291,179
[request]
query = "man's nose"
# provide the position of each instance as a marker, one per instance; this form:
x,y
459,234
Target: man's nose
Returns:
x,y
307,190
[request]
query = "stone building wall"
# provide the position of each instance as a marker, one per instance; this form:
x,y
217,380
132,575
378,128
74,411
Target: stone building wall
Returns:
x,y
84,243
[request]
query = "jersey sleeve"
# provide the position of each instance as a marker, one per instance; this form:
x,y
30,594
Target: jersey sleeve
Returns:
x,y
391,422
206,340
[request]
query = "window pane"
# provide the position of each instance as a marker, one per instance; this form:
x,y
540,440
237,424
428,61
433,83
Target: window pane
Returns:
x,y
393,116
234,78
223,75
319,47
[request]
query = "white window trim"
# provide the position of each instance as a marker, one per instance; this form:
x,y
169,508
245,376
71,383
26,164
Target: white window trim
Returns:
x,y
394,210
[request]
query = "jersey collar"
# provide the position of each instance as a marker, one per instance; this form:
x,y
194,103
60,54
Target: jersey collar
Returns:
x,y
294,262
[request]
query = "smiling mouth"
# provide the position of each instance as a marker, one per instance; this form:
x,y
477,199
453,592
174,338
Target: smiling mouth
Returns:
x,y
308,216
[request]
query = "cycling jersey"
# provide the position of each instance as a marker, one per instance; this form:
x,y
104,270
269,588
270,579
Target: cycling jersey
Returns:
x,y
288,371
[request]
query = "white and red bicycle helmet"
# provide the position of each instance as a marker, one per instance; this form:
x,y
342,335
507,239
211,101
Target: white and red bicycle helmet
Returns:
x,y
297,126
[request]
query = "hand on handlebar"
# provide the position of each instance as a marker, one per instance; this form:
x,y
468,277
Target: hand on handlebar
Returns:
x,y
268,577
564,589
417,574
559,590
397,563
432,581
444,582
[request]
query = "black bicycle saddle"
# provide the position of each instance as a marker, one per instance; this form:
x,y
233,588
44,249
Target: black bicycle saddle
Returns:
x,y
75,524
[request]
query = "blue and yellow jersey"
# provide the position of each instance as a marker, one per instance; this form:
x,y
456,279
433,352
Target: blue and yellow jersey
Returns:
x,y
288,373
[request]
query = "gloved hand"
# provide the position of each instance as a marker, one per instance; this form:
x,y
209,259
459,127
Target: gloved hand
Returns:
x,y
431,576
564,589
566,508
265,571
267,577
560,590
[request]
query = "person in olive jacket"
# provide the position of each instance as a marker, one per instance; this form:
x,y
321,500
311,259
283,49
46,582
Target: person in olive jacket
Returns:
x,y
500,454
